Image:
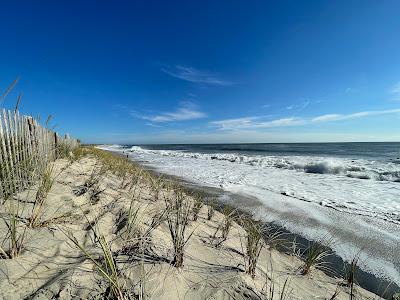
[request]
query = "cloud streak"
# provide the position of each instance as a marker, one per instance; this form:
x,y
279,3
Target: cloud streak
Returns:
x,y
395,91
186,112
299,107
193,75
257,122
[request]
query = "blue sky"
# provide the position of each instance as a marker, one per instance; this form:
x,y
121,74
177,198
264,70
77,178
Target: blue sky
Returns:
x,y
206,71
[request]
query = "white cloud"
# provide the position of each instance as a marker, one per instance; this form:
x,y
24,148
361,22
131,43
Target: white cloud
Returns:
x,y
251,122
187,111
152,125
298,107
395,91
193,75
234,123
326,118
256,122
339,117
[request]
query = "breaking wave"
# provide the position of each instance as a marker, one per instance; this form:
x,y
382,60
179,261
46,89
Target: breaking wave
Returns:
x,y
361,169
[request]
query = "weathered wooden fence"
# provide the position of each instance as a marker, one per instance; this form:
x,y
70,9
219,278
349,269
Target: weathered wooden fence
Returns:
x,y
26,148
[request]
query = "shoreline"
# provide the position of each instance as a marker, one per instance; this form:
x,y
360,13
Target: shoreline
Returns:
x,y
338,265
107,227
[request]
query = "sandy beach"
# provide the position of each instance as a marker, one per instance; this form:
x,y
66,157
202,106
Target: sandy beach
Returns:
x,y
62,257
200,150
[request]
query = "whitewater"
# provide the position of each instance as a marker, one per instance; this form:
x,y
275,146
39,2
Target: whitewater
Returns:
x,y
349,196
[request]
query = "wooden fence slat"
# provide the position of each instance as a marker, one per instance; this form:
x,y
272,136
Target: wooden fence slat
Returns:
x,y
10,176
26,148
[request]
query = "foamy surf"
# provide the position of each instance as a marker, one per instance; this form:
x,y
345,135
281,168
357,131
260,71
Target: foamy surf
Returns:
x,y
354,201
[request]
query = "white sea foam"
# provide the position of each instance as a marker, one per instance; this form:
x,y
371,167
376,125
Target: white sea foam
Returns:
x,y
356,202
360,168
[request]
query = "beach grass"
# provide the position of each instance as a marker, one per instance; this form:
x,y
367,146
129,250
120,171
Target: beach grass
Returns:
x,y
106,266
197,205
210,208
45,184
315,256
14,240
178,211
222,231
254,243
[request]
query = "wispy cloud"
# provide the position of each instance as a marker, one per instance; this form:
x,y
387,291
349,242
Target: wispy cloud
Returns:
x,y
235,123
339,117
257,122
152,125
350,90
187,111
300,106
395,92
193,75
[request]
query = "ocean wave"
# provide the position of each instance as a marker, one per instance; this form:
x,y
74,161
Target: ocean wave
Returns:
x,y
360,169
328,191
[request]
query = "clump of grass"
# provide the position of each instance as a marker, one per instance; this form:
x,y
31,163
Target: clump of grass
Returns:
x,y
156,185
127,173
270,291
197,205
254,244
15,236
351,274
137,236
273,238
94,194
314,257
133,231
45,185
210,211
64,150
225,226
107,267
178,213
77,153
91,182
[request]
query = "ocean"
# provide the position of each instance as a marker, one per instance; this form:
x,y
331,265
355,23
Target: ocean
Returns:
x,y
347,194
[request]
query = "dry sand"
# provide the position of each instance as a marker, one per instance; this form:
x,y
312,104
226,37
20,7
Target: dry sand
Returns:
x,y
51,266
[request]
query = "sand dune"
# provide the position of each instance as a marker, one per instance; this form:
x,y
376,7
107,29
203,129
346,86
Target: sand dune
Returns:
x,y
52,266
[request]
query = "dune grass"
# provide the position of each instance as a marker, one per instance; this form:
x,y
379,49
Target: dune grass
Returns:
x,y
13,242
45,184
210,208
197,205
106,267
315,257
178,213
254,243
271,290
351,274
224,227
